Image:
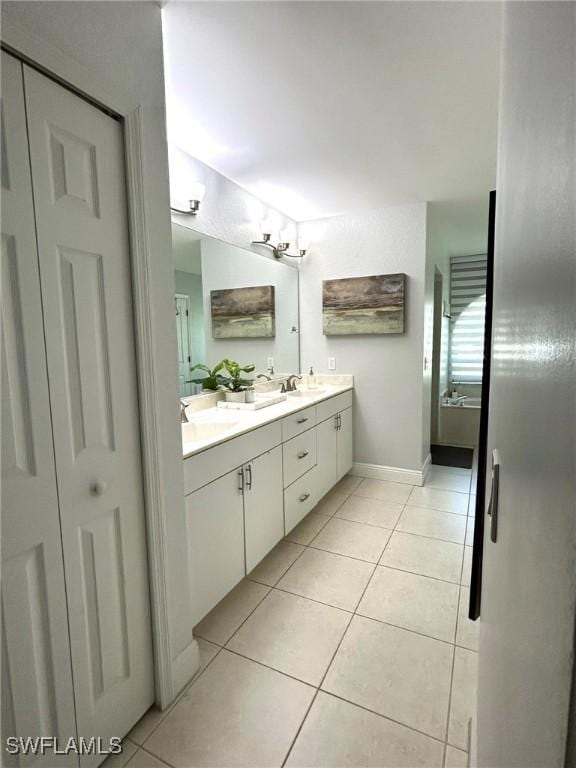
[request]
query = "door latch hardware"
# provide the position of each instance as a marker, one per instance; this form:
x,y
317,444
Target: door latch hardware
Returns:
x,y
494,494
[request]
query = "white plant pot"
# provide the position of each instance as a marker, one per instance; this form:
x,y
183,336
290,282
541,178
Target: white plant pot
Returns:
x,y
235,397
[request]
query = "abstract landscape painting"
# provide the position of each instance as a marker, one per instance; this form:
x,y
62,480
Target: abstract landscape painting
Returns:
x,y
361,305
243,313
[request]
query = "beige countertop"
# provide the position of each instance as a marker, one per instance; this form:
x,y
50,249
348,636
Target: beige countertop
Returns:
x,y
211,426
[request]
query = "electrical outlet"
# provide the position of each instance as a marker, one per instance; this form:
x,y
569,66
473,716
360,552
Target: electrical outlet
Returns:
x,y
270,363
331,363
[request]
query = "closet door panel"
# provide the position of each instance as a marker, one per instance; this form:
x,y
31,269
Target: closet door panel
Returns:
x,y
77,168
37,697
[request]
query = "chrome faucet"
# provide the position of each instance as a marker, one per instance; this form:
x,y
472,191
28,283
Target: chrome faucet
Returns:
x,y
183,416
291,383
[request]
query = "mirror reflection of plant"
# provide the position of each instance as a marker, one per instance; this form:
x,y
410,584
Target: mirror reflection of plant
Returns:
x,y
214,379
236,382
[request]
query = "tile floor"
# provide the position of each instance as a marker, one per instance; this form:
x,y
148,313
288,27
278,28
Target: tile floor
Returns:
x,y
349,645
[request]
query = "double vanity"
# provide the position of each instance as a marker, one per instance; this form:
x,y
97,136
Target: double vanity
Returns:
x,y
251,476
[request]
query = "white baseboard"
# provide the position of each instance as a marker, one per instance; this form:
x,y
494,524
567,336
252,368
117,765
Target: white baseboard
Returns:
x,y
426,467
396,474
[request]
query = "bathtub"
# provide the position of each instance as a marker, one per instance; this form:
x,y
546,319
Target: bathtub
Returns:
x,y
466,402
459,423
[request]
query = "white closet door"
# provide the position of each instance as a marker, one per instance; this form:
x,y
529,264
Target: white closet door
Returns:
x,y
78,185
37,697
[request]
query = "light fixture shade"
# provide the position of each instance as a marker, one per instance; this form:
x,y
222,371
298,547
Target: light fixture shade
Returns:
x,y
196,191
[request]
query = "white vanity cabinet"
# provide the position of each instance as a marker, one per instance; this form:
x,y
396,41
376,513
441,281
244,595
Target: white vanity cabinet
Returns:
x,y
344,442
215,517
239,507
263,508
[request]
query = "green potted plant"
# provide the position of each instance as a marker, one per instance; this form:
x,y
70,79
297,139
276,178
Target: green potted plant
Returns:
x,y
236,385
214,380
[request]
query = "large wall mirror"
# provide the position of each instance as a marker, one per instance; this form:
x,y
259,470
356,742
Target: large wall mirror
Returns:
x,y
232,303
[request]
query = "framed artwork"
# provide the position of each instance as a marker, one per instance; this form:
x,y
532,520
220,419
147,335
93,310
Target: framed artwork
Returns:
x,y
243,313
364,305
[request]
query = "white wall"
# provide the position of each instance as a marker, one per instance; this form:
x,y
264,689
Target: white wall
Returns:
x,y
225,266
228,212
388,370
113,53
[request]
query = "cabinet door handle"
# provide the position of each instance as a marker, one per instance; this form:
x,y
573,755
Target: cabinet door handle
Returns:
x,y
302,421
338,421
302,454
241,480
304,497
249,483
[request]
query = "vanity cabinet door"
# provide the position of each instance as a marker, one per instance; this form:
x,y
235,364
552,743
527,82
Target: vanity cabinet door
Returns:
x,y
215,518
326,452
345,441
263,507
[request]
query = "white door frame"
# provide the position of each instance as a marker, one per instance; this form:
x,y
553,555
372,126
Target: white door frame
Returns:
x,y
149,426
171,672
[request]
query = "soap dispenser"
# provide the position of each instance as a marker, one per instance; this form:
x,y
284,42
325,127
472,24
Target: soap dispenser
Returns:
x,y
312,383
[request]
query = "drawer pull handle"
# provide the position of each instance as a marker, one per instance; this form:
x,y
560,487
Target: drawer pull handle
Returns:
x,y
302,421
302,454
304,497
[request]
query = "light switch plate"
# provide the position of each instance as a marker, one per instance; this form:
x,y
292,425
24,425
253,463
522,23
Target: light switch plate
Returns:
x,y
331,363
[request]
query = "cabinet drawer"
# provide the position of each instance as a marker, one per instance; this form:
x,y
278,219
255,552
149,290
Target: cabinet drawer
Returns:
x,y
298,422
299,455
299,499
333,405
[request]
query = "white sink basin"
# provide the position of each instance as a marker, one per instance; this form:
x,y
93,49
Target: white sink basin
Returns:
x,y
307,392
196,431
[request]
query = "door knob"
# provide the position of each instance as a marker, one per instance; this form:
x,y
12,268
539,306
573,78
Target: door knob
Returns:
x,y
98,488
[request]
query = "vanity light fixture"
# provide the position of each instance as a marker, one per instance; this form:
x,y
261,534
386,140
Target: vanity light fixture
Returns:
x,y
281,249
191,205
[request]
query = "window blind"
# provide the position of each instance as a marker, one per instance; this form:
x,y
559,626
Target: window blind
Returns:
x,y
468,309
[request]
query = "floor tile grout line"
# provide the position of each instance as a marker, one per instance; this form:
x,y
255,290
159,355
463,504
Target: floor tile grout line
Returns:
x,y
299,729
405,629
330,664
319,687
350,557
421,506
433,538
283,574
449,701
244,620
182,693
313,599
363,522
156,757
433,509
268,666
384,717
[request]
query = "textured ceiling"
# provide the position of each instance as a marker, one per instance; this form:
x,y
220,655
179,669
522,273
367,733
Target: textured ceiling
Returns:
x,y
320,108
